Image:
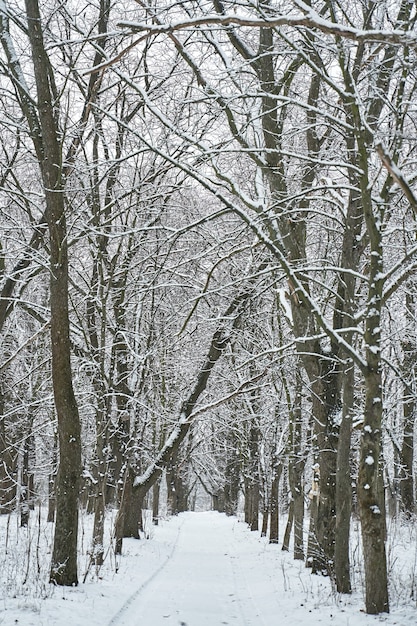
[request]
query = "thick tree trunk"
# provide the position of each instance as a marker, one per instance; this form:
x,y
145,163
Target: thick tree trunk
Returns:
x,y
371,503
133,514
64,558
370,482
8,466
326,405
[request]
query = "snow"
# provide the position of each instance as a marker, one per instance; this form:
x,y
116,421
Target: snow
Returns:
x,y
198,569
369,460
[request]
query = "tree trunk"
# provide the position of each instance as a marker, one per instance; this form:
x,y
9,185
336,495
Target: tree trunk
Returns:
x,y
409,413
8,466
288,528
299,525
265,516
98,527
344,486
370,483
155,502
26,484
326,404
52,481
371,505
133,514
176,487
64,558
274,505
296,470
232,479
254,478
312,546
129,517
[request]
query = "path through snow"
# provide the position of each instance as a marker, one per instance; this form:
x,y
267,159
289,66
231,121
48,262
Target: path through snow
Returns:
x,y
199,569
203,583
220,573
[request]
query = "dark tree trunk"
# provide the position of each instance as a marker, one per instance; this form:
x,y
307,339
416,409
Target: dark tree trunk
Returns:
x,y
344,486
312,546
232,480
326,404
299,525
26,485
8,466
64,558
288,528
370,483
133,524
254,478
99,502
296,470
155,502
177,487
409,413
274,504
371,502
51,482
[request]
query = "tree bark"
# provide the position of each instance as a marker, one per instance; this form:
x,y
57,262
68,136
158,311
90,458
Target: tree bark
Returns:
x,y
344,486
155,502
288,528
409,413
296,470
8,466
274,505
64,558
26,485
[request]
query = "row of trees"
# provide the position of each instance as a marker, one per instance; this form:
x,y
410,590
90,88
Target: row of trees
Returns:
x,y
219,199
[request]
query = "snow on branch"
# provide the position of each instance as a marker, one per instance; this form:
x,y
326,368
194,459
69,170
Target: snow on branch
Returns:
x,y
310,19
218,344
397,175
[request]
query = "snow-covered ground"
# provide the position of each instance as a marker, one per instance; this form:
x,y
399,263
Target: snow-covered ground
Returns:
x,y
197,569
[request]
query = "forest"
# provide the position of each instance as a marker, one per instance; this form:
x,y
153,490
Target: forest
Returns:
x,y
208,270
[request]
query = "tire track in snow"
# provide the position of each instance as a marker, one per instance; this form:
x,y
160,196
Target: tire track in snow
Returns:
x,y
128,603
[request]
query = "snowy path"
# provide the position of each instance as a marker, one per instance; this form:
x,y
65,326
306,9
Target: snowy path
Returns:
x,y
204,569
202,583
